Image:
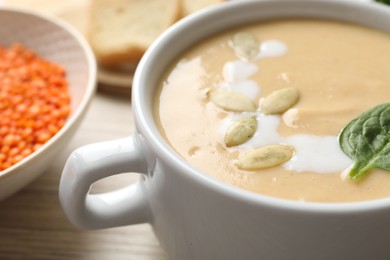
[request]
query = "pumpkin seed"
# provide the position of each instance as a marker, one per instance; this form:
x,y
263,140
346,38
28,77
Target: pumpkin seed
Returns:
x,y
232,101
245,45
240,131
265,157
280,101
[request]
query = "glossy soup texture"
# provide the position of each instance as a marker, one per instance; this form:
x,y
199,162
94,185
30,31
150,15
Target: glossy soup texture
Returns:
x,y
339,69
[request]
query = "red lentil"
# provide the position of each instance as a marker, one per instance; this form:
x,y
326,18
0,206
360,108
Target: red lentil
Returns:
x,y
34,102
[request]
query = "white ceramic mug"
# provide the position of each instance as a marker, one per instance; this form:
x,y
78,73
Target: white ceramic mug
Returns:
x,y
195,216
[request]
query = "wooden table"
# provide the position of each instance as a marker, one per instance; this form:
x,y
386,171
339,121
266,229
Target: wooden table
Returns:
x,y
32,223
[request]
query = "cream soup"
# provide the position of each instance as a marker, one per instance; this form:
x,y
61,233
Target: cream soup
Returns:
x,y
339,69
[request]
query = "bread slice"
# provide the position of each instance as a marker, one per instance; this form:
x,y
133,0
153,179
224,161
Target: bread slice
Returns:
x,y
190,6
121,30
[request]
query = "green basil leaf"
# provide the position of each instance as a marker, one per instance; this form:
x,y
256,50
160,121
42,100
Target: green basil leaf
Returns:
x,y
387,2
366,140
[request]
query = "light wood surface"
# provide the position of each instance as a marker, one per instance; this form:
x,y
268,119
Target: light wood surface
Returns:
x,y
32,223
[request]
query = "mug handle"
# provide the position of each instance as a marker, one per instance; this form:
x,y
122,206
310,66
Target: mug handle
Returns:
x,y
93,162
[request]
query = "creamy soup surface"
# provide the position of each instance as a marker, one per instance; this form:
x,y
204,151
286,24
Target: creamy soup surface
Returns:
x,y
340,70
